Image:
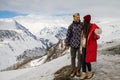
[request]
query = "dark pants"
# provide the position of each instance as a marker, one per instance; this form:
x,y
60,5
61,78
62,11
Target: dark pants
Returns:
x,y
84,64
74,52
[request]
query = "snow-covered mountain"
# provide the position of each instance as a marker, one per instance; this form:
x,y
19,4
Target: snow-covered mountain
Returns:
x,y
36,22
51,35
20,27
15,39
22,44
48,29
26,37
110,26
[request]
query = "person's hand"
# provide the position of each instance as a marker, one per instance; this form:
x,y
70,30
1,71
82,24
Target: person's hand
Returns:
x,y
98,31
80,53
66,47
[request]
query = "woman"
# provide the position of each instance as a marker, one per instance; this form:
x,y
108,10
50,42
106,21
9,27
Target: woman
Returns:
x,y
88,48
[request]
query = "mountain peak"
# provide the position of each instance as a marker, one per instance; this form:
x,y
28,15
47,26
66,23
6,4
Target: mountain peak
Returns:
x,y
21,27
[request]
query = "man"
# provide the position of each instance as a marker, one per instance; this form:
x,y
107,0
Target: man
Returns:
x,y
73,41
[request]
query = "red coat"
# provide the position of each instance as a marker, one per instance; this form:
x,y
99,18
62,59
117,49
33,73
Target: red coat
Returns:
x,y
91,44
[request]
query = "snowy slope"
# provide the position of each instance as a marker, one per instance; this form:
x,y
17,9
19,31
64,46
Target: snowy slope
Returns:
x,y
14,40
110,29
39,73
104,67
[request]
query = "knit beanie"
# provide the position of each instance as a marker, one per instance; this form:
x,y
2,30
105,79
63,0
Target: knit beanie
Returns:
x,y
87,18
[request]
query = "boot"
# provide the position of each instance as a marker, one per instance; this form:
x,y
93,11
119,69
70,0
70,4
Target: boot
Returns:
x,y
73,73
78,73
83,76
89,75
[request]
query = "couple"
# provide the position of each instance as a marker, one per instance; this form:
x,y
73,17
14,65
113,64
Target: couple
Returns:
x,y
82,39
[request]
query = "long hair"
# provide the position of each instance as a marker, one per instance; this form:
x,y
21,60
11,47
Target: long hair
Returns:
x,y
86,27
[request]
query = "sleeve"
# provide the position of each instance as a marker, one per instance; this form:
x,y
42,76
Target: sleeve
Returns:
x,y
96,37
68,36
97,31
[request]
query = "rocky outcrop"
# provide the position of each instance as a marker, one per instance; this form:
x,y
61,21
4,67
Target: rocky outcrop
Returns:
x,y
56,50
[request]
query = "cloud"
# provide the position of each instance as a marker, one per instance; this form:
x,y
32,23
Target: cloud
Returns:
x,y
42,7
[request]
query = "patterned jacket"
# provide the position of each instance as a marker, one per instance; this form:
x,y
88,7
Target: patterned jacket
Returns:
x,y
73,35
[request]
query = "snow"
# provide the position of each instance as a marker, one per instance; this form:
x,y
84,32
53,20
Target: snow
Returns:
x,y
14,42
105,67
38,62
36,22
14,48
43,72
40,71
110,30
7,75
8,57
6,24
48,30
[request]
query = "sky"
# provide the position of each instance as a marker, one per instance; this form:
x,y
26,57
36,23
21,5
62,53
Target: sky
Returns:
x,y
98,8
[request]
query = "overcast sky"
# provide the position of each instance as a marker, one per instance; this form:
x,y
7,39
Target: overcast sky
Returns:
x,y
99,8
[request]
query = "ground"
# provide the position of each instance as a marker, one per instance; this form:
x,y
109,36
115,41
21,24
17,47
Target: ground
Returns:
x,y
107,66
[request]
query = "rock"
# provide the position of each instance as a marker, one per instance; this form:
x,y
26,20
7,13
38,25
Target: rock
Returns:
x,y
63,74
